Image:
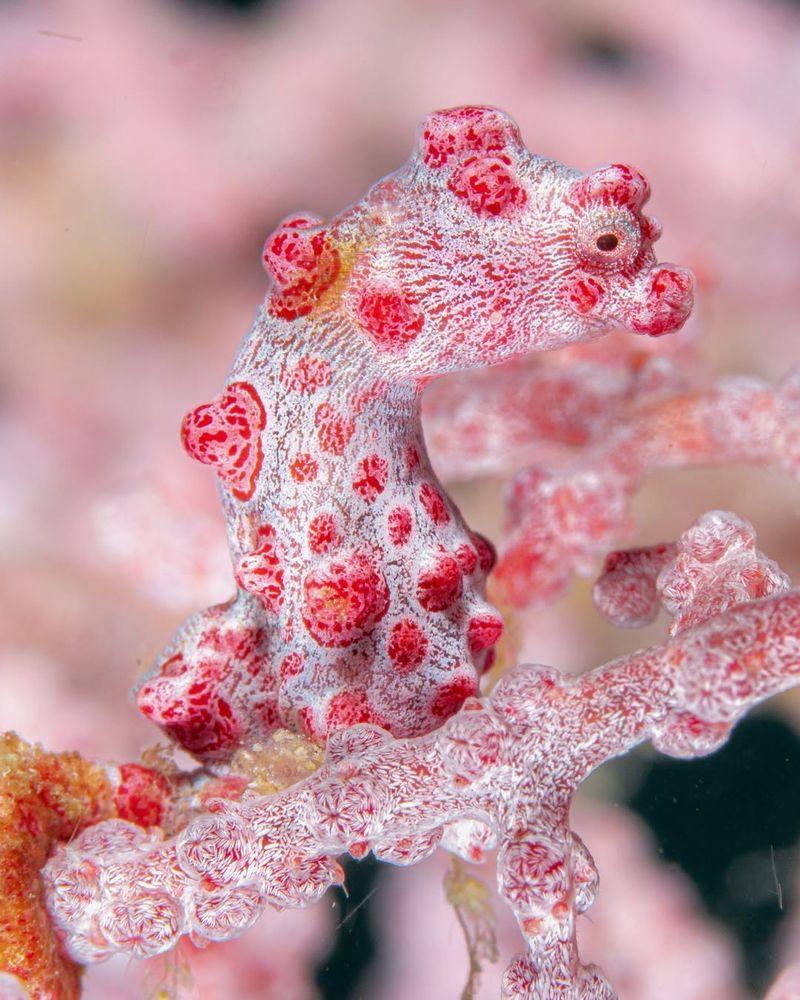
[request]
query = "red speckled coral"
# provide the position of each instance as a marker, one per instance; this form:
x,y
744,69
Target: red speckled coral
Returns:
x,y
353,565
561,520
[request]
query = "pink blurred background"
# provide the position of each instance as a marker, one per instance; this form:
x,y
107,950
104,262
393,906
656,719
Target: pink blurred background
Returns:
x,y
147,147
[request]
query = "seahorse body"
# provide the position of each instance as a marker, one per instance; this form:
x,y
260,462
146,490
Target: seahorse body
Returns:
x,y
361,589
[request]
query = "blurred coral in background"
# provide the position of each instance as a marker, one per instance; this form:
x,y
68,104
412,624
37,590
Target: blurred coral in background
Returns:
x,y
146,149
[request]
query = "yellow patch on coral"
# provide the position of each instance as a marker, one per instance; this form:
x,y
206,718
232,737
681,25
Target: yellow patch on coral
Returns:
x,y
44,798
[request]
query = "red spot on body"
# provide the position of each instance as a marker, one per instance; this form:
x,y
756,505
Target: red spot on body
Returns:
x,y
371,477
268,714
344,599
334,430
407,645
389,318
399,524
440,584
433,504
584,294
323,534
291,665
467,559
226,433
303,468
307,376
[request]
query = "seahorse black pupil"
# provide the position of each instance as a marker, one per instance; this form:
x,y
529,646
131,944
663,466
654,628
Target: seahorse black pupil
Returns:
x,y
607,242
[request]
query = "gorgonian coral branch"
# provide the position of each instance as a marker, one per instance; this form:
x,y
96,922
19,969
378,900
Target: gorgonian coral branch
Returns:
x,y
714,565
496,422
562,520
502,772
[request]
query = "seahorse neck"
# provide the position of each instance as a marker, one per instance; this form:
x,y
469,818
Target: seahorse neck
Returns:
x,y
338,433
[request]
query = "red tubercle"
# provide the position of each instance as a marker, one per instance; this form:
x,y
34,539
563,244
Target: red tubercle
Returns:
x,y
399,523
190,698
291,665
614,184
389,317
343,599
372,474
467,559
407,646
307,375
288,250
304,265
651,228
261,572
142,795
226,433
585,293
664,302
439,585
303,468
433,504
488,185
483,632
323,533
487,554
476,129
452,696
348,708
203,724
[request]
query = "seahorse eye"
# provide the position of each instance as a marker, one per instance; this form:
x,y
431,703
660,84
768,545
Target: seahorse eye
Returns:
x,y
607,243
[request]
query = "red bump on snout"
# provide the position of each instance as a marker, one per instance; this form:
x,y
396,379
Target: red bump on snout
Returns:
x,y
664,303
